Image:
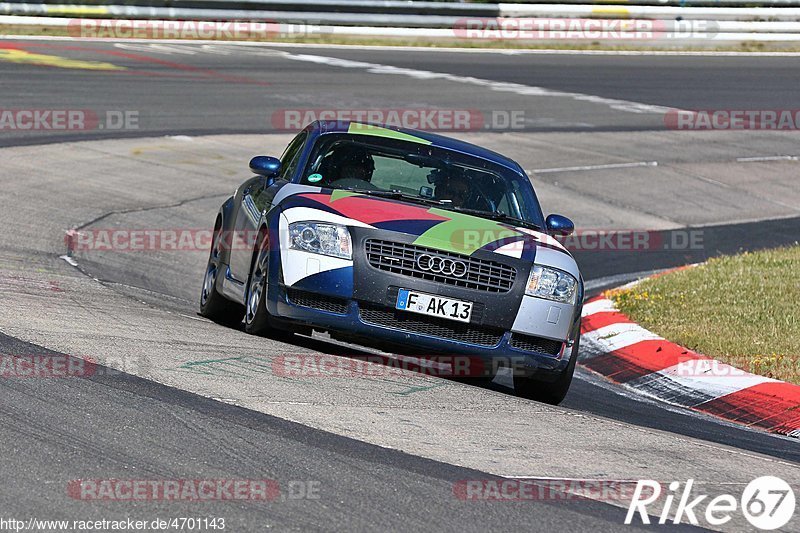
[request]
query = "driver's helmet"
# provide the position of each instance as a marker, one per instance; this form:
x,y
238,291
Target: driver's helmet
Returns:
x,y
350,161
450,185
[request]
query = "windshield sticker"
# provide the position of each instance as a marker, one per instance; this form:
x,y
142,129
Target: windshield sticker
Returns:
x,y
314,178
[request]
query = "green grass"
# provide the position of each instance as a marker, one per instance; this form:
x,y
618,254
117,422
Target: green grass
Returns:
x,y
743,310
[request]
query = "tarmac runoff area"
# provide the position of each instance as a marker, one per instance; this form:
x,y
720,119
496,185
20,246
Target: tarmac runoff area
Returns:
x,y
135,312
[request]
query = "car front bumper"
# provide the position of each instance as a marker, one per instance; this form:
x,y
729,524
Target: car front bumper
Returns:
x,y
356,299
366,323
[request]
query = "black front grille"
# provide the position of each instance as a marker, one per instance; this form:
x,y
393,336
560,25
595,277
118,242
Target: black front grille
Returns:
x,y
530,343
317,301
470,273
432,326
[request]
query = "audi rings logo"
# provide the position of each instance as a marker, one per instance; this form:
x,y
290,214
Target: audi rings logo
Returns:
x,y
437,264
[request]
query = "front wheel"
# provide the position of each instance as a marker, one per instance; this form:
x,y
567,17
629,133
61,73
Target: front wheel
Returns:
x,y
256,317
214,305
548,392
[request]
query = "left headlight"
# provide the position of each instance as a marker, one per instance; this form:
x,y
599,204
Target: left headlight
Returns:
x,y
321,238
552,284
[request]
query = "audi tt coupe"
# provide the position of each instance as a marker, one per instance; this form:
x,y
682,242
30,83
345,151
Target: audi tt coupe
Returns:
x,y
405,240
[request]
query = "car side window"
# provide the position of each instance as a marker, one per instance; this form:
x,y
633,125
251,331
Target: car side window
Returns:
x,y
291,156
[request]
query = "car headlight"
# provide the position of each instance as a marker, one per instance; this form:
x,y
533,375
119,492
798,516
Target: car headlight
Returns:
x,y
321,238
552,284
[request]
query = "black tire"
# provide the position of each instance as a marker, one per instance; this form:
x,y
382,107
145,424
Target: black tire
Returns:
x,y
213,305
256,316
552,392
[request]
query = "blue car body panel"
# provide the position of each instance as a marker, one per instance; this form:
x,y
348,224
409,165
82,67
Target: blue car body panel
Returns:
x,y
348,289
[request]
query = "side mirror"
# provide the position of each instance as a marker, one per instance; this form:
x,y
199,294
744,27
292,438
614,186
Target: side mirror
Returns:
x,y
264,165
559,225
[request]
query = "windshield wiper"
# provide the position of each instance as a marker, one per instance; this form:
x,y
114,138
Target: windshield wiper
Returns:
x,y
447,205
496,215
397,195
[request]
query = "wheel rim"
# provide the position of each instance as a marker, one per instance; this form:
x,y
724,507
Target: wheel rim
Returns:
x,y
256,287
211,270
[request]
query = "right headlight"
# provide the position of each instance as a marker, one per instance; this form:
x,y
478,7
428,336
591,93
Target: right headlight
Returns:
x,y
321,238
552,284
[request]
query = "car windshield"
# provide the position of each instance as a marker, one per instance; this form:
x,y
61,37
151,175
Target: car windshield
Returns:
x,y
420,173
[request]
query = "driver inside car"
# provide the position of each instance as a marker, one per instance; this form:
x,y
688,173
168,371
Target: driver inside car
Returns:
x,y
450,186
349,162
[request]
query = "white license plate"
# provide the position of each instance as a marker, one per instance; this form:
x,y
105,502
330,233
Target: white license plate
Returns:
x,y
433,305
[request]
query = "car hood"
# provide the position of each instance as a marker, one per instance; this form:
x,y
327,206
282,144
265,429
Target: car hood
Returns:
x,y
432,227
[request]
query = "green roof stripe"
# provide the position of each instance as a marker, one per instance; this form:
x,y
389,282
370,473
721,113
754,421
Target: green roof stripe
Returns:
x,y
357,128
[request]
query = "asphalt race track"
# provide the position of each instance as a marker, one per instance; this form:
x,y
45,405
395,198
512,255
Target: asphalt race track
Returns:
x,y
179,397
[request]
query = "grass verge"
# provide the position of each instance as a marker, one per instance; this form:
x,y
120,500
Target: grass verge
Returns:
x,y
743,310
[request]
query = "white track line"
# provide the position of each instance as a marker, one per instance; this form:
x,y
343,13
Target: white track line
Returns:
x,y
69,260
594,167
517,88
767,158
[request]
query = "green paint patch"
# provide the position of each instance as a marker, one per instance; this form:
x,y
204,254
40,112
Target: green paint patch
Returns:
x,y
356,128
242,367
463,234
338,194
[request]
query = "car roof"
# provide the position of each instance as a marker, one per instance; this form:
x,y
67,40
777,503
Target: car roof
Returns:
x,y
439,141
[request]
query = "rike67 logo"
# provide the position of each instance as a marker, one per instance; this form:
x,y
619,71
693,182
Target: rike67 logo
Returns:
x,y
767,502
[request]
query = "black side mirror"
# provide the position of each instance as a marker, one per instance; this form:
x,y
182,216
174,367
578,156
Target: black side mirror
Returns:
x,y
267,166
559,225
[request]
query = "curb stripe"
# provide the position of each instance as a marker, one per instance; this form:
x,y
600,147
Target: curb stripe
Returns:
x,y
628,354
621,335
668,390
774,406
643,358
717,379
602,319
596,305
685,385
